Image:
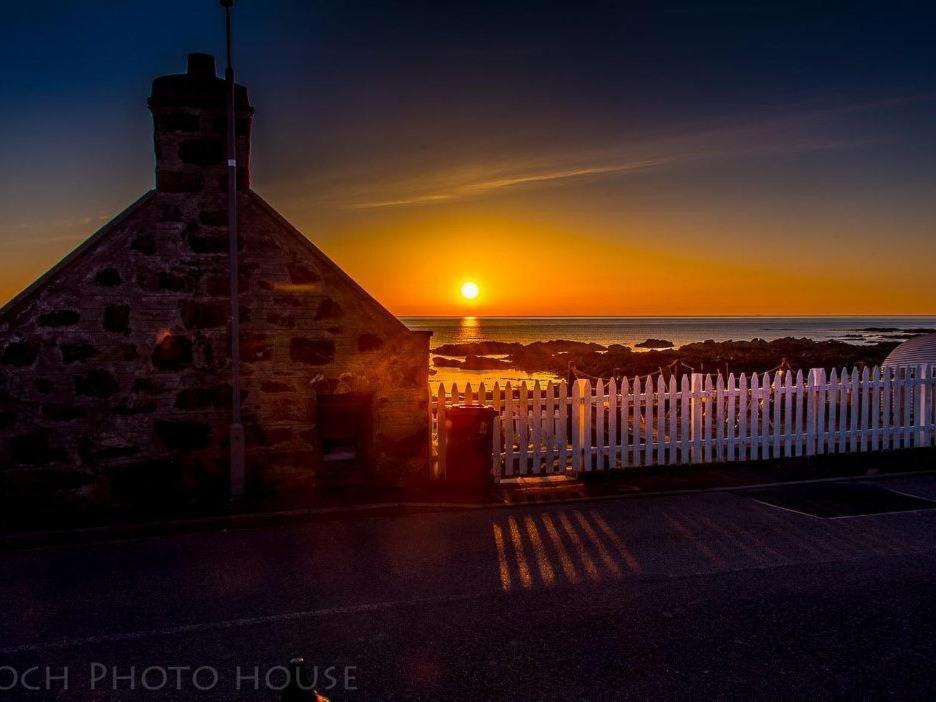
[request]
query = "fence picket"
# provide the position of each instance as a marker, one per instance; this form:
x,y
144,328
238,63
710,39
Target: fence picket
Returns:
x,y
811,400
508,430
588,398
742,418
875,408
635,433
673,399
787,413
497,429
798,436
821,408
549,426
523,428
719,418
853,410
754,417
844,405
612,424
624,410
660,420
536,427
777,426
887,401
698,419
562,420
707,403
578,426
595,460
864,420
648,422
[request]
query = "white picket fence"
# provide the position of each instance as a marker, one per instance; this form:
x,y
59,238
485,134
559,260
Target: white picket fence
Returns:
x,y
550,428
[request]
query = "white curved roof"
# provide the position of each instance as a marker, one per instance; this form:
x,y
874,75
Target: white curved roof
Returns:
x,y
913,352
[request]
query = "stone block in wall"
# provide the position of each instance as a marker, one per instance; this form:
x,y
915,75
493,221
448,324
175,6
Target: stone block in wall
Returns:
x,y
108,277
75,351
201,152
179,181
369,342
203,241
201,398
184,435
36,449
135,406
273,386
117,318
59,318
176,281
173,352
96,382
203,315
19,353
61,411
213,218
328,309
144,243
256,347
300,274
315,352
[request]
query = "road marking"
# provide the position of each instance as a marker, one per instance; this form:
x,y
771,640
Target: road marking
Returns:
x,y
502,566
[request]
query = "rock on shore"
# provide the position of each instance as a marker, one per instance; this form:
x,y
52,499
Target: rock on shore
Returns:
x,y
756,355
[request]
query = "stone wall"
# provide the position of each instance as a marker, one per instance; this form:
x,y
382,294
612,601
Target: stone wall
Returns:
x,y
114,371
115,365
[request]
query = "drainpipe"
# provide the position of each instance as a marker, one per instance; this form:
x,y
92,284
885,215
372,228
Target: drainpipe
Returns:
x,y
236,435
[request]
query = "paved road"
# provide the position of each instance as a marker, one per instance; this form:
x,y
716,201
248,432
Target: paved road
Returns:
x,y
707,595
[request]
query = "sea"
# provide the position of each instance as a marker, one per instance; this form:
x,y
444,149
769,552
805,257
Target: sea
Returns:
x,y
632,330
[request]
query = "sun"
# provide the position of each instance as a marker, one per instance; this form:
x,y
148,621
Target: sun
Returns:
x,y
469,290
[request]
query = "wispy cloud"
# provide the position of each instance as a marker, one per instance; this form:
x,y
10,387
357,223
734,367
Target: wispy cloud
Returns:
x,y
551,173
807,130
483,186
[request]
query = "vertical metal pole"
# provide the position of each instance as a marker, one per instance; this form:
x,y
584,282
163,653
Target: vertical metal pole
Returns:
x,y
236,435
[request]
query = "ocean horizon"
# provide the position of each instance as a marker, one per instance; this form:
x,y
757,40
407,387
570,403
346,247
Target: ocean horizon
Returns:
x,y
680,330
633,330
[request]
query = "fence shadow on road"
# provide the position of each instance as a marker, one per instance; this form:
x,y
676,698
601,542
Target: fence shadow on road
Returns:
x,y
578,546
570,546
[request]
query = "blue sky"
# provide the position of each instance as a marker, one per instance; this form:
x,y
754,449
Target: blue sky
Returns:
x,y
671,132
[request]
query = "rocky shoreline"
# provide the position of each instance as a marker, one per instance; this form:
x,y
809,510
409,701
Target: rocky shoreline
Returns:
x,y
755,356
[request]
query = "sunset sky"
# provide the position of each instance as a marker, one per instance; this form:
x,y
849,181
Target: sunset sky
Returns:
x,y
581,158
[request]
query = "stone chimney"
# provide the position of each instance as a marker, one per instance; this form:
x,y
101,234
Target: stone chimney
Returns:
x,y
189,120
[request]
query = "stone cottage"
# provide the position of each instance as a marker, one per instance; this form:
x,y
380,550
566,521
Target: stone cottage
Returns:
x,y
115,364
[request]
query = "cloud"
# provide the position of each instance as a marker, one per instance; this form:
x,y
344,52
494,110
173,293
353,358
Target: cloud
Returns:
x,y
808,129
557,173
498,183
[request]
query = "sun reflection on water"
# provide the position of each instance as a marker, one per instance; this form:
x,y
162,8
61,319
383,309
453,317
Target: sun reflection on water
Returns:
x,y
469,330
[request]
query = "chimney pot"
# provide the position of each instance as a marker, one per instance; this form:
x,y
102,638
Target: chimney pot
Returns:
x,y
201,66
189,116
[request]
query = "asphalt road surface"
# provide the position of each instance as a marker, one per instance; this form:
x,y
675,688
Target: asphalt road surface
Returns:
x,y
691,596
